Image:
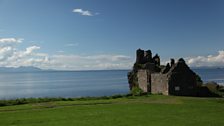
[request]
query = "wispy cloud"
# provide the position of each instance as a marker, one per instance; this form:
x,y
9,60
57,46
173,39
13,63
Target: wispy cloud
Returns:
x,y
210,60
72,44
83,12
10,40
60,51
91,62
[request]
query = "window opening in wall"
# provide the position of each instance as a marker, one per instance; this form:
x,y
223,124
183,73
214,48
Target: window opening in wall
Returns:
x,y
177,88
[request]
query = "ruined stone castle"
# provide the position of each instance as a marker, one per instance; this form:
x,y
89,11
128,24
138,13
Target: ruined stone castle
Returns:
x,y
176,78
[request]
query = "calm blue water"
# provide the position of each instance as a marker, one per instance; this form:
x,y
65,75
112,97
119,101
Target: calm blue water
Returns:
x,y
216,75
76,84
63,84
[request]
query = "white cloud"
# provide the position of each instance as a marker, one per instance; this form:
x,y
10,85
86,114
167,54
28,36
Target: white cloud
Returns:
x,y
210,60
10,40
30,49
11,56
5,52
83,12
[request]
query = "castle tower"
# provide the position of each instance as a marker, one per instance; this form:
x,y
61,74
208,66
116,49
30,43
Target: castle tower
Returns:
x,y
148,56
139,56
156,60
172,61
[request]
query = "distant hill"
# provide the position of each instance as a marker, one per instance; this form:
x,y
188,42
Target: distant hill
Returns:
x,y
20,69
206,67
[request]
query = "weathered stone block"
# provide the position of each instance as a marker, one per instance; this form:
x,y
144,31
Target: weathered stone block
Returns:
x,y
159,84
143,80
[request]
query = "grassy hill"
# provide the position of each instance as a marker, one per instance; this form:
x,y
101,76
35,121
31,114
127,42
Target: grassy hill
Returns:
x,y
152,110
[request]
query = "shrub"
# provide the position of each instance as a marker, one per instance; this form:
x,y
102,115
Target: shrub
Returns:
x,y
117,96
136,91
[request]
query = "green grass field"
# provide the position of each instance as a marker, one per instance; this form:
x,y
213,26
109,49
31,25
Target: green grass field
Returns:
x,y
152,110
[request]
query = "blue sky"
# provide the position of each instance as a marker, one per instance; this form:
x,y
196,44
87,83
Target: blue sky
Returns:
x,y
104,34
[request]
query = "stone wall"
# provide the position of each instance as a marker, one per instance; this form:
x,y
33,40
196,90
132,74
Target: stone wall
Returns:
x,y
159,84
182,84
182,80
143,80
172,79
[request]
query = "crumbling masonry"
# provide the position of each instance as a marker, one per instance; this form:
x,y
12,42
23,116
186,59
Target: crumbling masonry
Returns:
x,y
172,79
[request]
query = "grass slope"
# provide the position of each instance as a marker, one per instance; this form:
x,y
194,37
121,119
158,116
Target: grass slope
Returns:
x,y
152,110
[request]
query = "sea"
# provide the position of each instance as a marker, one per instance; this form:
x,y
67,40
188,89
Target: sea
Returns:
x,y
76,83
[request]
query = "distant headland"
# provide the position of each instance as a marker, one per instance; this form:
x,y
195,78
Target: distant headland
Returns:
x,y
20,69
